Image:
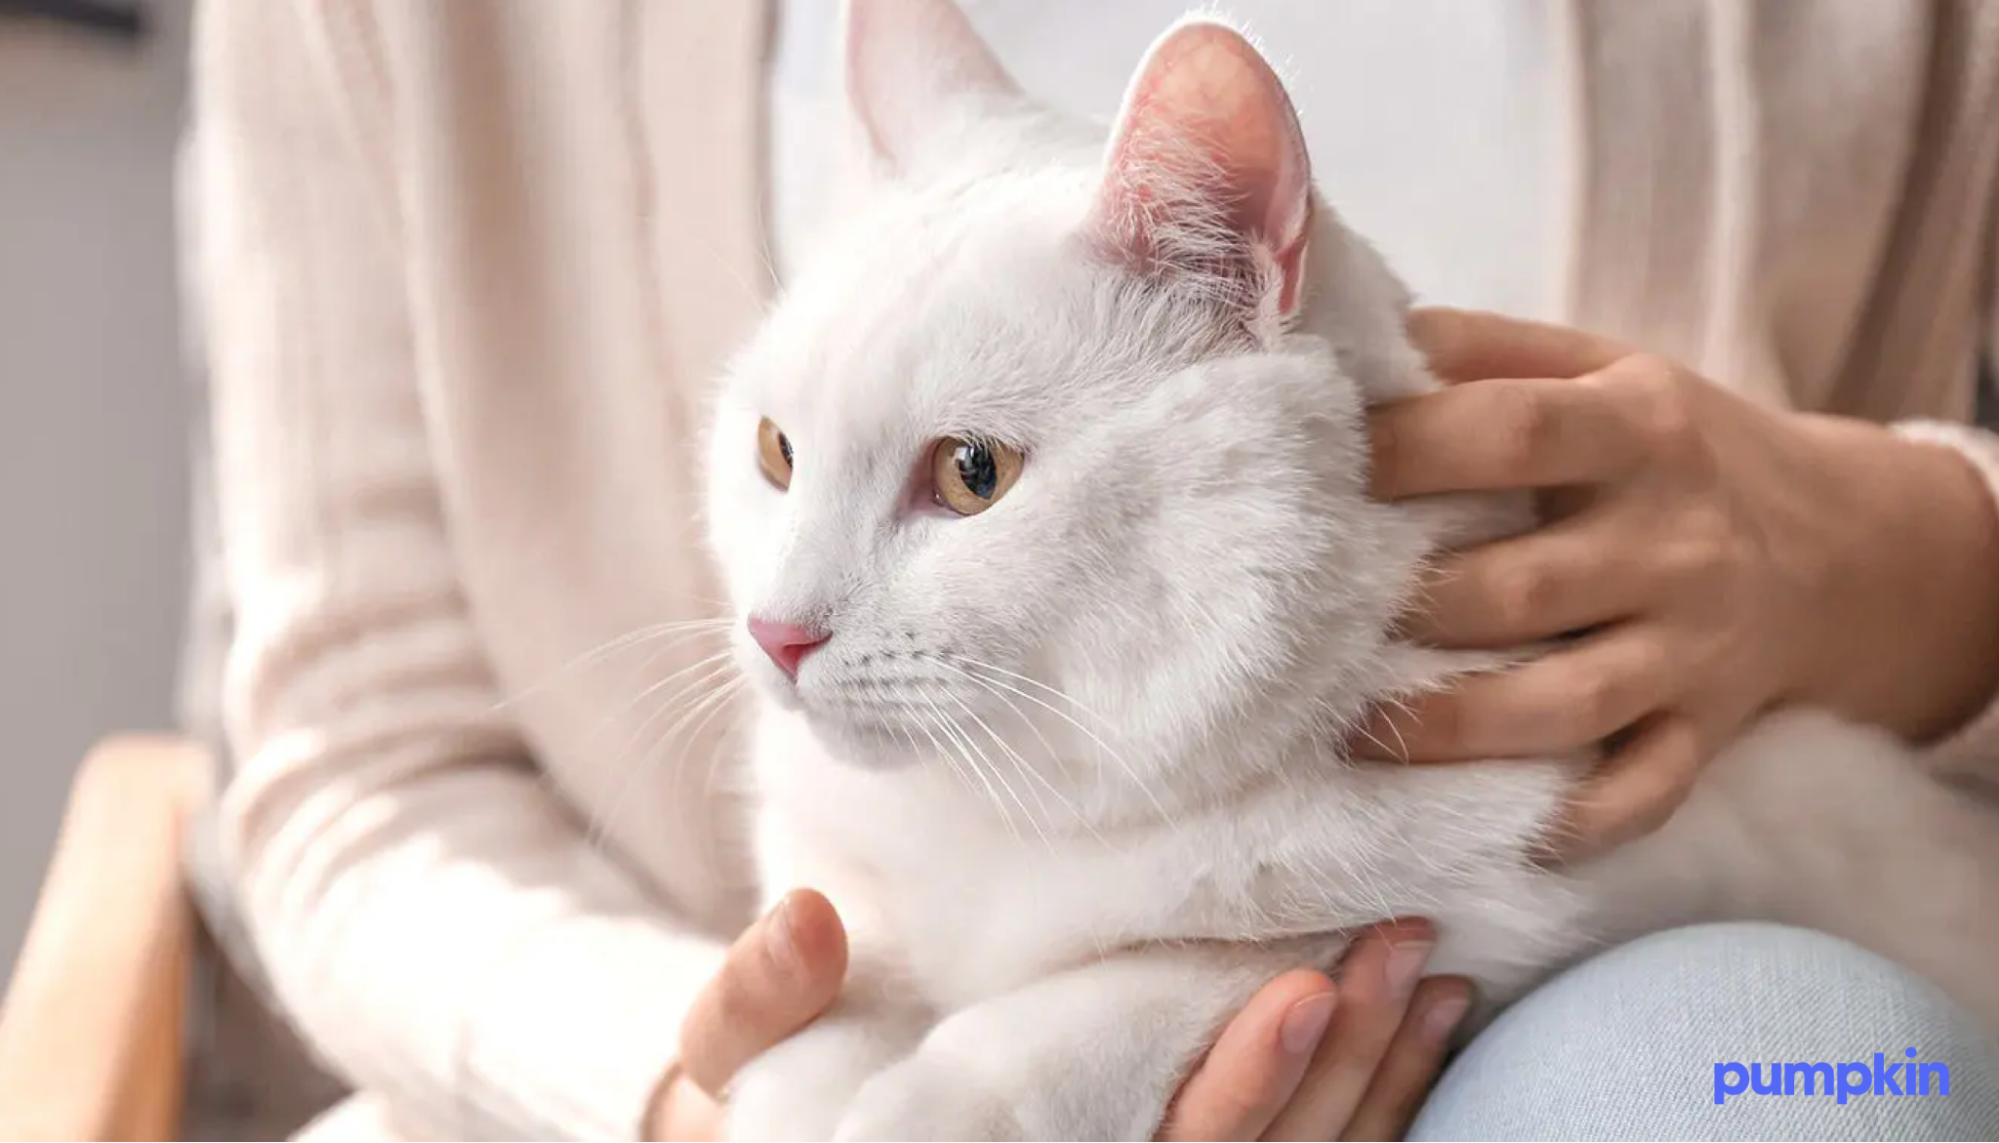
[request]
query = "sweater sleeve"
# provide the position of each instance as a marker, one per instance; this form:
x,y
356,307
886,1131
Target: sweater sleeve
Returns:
x,y
1975,745
430,916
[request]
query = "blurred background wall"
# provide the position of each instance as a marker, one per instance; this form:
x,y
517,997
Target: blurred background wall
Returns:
x,y
93,501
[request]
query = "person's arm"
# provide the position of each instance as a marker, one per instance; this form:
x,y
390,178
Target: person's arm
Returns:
x,y
432,919
1949,534
1976,742
1972,742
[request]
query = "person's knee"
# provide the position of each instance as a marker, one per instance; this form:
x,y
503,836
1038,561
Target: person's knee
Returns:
x,y
1753,960
1636,1042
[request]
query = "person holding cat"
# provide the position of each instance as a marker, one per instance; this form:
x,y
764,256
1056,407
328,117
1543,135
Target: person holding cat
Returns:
x,y
467,270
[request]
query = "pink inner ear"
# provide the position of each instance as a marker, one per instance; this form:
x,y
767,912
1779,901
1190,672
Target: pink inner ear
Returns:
x,y
1208,116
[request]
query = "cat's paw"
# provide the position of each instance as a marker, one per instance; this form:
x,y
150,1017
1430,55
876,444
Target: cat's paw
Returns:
x,y
775,1114
924,1098
801,1089
787,1093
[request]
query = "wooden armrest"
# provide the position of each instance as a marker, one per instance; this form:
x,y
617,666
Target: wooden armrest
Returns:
x,y
91,1027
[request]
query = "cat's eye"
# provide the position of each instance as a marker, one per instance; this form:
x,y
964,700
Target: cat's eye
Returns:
x,y
774,453
970,476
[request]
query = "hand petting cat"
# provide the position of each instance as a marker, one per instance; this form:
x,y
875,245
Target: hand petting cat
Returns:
x,y
1706,558
1306,1059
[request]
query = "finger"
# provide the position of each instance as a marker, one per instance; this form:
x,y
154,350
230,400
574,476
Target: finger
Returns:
x,y
1501,434
1470,345
1254,1067
779,975
1376,983
1410,1068
1564,702
1571,575
1634,792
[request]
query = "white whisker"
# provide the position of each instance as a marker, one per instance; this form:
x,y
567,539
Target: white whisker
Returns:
x,y
685,629
718,666
699,712
705,665
1032,818
1129,771
949,759
951,732
1030,681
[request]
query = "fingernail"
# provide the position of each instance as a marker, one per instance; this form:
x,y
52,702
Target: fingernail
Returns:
x,y
1305,1024
781,938
1405,967
1443,1017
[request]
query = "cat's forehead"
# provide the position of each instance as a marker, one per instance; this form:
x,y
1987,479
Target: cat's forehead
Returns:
x,y
974,308
976,244
945,295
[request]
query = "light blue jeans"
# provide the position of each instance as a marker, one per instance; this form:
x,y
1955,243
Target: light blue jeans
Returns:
x,y
1626,1046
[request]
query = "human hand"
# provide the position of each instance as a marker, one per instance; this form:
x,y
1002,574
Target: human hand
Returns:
x,y
1310,1059
778,976
1354,1063
1709,558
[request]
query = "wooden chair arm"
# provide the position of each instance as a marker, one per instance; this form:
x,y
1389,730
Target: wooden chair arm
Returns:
x,y
91,1027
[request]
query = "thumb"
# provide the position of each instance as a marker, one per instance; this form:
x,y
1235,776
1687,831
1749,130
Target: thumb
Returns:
x,y
778,977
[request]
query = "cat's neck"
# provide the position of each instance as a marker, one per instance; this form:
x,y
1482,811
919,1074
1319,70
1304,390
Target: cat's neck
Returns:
x,y
1308,718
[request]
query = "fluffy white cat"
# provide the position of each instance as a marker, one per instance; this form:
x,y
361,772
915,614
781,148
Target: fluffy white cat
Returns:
x,y
1041,494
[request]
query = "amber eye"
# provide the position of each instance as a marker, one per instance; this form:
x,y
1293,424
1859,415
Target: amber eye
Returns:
x,y
970,476
774,453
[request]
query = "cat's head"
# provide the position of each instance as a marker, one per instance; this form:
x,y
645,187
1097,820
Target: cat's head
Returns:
x,y
1036,449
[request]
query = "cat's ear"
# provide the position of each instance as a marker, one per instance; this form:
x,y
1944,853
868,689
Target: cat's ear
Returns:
x,y
917,77
1207,171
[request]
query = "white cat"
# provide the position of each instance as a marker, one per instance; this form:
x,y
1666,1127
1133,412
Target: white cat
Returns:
x,y
1042,496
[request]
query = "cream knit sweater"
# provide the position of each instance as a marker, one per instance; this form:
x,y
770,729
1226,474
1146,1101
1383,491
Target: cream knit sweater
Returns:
x,y
467,267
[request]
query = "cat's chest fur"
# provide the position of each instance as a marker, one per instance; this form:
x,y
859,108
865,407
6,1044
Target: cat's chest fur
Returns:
x,y
969,905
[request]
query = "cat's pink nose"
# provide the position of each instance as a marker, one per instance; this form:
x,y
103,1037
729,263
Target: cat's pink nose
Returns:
x,y
787,644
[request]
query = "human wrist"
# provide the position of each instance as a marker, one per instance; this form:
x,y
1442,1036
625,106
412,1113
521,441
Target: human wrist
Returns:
x,y
1911,615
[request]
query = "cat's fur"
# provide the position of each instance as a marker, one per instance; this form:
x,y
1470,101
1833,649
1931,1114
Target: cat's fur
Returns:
x,y
1071,768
